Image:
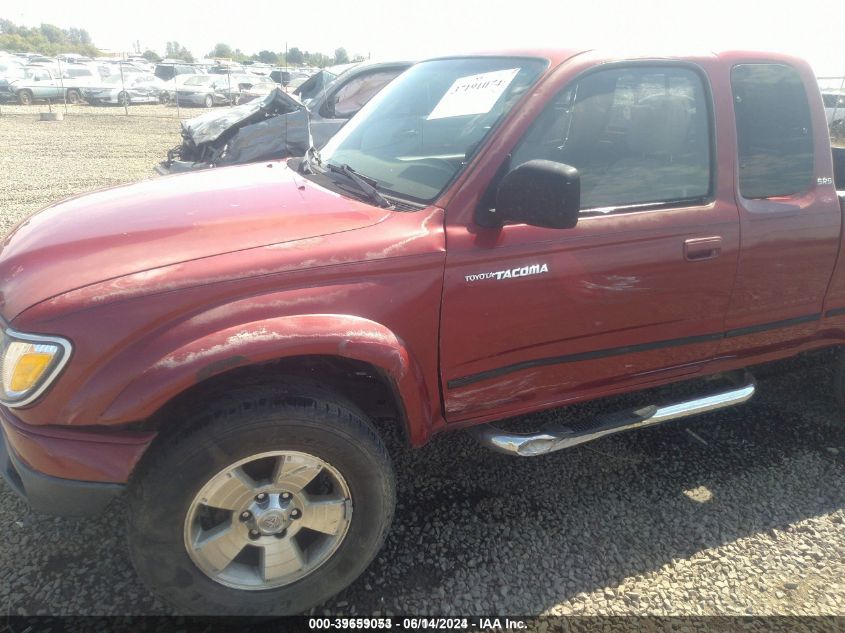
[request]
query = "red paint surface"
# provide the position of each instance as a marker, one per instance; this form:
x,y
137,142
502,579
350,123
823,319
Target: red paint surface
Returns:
x,y
81,454
162,282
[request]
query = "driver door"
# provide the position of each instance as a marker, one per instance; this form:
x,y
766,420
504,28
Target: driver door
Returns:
x,y
635,293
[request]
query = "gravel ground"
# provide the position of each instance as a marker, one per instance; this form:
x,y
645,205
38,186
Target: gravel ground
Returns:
x,y
42,162
733,513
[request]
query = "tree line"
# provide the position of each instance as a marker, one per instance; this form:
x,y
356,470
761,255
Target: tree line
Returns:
x,y
293,57
46,39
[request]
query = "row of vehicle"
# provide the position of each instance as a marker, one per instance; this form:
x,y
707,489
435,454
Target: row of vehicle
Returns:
x,y
136,81
12,66
78,85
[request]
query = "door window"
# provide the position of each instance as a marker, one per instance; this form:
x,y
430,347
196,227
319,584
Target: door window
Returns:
x,y
773,131
637,135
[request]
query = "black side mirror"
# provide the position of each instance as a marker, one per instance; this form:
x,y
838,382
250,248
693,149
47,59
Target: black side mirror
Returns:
x,y
540,193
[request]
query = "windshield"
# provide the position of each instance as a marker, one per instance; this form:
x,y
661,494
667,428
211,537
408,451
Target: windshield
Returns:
x,y
419,132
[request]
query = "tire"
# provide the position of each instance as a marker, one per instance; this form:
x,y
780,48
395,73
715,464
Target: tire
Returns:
x,y
123,98
25,97
209,101
73,96
164,98
166,509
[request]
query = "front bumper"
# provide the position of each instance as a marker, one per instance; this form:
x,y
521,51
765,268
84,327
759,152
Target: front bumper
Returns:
x,y
51,495
67,471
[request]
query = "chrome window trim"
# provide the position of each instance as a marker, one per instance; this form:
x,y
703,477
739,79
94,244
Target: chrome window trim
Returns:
x,y
67,349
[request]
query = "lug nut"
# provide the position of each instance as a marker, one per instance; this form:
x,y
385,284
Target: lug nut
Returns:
x,y
295,514
282,534
285,495
261,497
254,534
246,515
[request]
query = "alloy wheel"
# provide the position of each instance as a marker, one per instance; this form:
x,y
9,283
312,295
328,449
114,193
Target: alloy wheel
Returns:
x,y
268,520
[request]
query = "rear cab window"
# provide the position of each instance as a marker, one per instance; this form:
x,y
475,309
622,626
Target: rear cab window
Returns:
x,y
774,131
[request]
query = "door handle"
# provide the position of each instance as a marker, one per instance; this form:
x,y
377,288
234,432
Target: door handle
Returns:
x,y
701,248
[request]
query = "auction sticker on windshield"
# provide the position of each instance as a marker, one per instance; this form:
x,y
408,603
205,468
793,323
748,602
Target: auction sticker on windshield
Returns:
x,y
476,94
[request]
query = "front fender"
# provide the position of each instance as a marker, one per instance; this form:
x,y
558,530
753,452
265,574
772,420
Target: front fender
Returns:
x,y
275,339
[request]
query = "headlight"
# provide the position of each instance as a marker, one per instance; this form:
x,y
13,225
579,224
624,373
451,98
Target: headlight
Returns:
x,y
28,364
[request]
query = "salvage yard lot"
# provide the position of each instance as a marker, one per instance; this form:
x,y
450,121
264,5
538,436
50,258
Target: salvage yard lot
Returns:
x,y
737,512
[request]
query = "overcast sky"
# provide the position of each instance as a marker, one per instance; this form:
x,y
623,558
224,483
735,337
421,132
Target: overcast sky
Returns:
x,y
416,29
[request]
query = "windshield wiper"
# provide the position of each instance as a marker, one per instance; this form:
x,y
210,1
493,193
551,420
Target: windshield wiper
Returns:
x,y
366,185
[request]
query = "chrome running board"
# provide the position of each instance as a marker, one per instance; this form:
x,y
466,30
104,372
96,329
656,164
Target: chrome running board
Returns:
x,y
555,439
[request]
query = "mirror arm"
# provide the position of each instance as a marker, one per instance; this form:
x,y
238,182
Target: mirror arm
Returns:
x,y
488,218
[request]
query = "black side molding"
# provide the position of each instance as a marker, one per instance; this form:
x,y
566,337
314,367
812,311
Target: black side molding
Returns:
x,y
631,349
774,325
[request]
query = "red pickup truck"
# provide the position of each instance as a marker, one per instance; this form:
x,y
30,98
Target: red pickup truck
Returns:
x,y
491,235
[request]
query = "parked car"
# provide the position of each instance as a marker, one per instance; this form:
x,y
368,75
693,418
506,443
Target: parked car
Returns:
x,y
274,134
166,71
77,77
129,89
240,133
39,84
491,235
211,90
50,62
257,90
117,68
73,58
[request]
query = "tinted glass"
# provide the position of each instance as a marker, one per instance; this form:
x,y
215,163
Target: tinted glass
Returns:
x,y
773,130
637,136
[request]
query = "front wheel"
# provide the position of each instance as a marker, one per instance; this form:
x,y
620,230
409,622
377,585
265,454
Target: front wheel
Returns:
x,y
209,101
73,96
123,98
274,505
25,97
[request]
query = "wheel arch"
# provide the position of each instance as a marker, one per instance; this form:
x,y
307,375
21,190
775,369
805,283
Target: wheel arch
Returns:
x,y
340,351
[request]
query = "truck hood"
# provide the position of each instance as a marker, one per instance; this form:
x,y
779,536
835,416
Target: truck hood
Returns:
x,y
139,227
